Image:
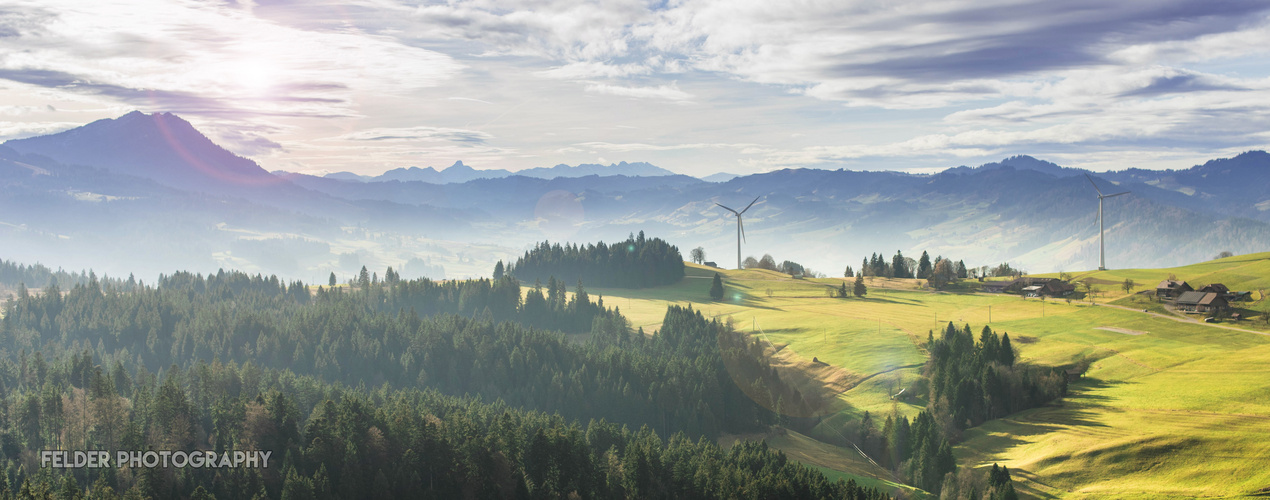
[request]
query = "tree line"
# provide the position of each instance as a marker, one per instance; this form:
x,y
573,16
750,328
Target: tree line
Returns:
x,y
638,262
333,441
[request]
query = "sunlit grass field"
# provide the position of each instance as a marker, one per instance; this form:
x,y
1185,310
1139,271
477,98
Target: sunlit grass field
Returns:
x,y
1178,410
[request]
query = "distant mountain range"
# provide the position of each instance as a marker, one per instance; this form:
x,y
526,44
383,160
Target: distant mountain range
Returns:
x,y
459,173
149,193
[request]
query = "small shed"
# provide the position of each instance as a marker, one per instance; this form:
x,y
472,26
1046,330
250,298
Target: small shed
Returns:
x,y
711,263
1032,291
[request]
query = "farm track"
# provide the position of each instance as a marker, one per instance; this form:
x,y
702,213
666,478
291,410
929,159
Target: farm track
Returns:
x,y
1184,320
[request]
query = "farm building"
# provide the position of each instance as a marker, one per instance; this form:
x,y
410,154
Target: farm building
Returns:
x,y
998,286
1215,288
1201,302
1057,288
711,263
1171,289
1031,287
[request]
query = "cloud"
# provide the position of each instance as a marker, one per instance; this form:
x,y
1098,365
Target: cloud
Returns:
x,y
419,134
206,58
20,130
667,92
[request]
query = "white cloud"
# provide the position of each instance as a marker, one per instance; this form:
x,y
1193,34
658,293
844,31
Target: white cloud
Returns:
x,y
668,92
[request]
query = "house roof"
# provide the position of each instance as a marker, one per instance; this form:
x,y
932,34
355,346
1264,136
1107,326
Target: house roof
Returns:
x,y
1191,297
1032,288
1170,284
1210,297
1216,287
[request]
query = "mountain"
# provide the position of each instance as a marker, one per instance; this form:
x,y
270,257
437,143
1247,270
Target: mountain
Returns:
x,y
159,146
1022,162
719,177
1231,186
460,173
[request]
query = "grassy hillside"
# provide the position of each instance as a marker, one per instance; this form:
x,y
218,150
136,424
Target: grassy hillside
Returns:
x,y
1166,409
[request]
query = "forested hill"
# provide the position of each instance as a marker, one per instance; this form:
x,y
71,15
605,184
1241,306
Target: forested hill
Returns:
x,y
248,362
638,262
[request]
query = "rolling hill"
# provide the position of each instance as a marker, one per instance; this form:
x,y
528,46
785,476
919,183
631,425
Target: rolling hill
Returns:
x,y
1164,408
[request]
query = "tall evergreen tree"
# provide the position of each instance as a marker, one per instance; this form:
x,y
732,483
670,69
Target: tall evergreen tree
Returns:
x,y
924,268
716,287
899,267
859,288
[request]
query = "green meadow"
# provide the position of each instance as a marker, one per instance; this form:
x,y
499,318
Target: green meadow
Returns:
x,y
1166,409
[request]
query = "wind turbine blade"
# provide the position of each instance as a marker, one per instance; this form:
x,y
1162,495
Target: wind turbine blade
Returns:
x,y
1091,181
1117,194
742,226
728,209
747,207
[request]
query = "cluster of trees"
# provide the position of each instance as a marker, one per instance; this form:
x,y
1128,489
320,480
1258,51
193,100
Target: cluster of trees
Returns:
x,y
971,382
968,384
1003,270
638,262
334,441
768,262
13,274
939,272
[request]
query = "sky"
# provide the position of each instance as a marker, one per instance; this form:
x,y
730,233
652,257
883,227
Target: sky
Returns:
x,y
697,87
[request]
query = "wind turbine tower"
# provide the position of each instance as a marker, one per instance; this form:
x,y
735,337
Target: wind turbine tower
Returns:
x,y
740,228
1102,245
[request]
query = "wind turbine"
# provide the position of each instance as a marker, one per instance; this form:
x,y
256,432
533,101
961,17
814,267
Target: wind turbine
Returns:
x,y
1102,245
740,228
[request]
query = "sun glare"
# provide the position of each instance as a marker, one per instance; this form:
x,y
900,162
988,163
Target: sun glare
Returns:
x,y
255,77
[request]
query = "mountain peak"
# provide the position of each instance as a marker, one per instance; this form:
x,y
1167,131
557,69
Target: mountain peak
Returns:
x,y
159,146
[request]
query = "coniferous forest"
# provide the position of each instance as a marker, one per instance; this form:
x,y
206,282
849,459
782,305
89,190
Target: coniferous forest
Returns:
x,y
638,262
413,389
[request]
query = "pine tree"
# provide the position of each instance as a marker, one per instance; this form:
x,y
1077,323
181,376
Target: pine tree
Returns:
x,y
716,287
498,270
923,266
860,289
899,267
331,281
1006,355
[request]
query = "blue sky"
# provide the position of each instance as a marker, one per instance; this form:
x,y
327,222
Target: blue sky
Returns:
x,y
697,87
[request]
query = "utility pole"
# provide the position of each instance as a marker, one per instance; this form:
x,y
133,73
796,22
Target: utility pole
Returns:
x,y
989,314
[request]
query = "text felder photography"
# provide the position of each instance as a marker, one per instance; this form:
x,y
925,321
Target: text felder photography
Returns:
x,y
77,459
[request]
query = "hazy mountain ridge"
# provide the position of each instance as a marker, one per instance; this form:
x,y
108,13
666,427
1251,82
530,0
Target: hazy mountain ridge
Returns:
x,y
459,173
1033,213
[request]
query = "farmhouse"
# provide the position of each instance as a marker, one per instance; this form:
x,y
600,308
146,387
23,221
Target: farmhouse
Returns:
x,y
1031,287
1201,302
998,286
711,263
1171,289
1057,288
1215,288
